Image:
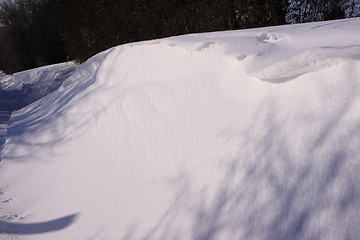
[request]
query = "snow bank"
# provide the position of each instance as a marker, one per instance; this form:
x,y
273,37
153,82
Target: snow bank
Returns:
x,y
230,135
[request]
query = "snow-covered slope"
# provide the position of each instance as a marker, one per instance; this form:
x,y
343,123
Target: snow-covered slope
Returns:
x,y
250,134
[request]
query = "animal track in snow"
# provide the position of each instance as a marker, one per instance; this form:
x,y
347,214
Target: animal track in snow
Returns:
x,y
12,218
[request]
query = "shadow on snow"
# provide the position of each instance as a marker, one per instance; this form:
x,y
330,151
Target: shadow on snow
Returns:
x,y
37,228
271,189
47,81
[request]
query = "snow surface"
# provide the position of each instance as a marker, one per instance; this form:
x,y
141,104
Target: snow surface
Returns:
x,y
251,134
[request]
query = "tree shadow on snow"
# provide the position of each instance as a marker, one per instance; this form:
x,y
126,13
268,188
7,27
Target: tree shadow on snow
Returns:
x,y
47,81
36,228
272,190
48,114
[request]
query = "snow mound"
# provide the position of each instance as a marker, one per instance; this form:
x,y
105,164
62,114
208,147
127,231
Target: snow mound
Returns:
x,y
189,138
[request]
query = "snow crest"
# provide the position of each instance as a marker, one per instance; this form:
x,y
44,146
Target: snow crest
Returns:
x,y
305,62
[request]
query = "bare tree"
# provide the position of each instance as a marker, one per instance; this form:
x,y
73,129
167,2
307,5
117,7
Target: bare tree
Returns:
x,y
300,11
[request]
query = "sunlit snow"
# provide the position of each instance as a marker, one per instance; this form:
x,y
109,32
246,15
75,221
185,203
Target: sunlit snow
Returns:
x,y
250,134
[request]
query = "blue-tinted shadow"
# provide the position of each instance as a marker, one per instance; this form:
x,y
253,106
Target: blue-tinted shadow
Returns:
x,y
37,228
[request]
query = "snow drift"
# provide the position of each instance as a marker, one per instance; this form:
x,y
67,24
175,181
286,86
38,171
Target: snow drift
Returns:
x,y
249,134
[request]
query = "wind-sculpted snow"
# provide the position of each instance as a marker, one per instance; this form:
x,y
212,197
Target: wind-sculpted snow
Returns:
x,y
230,135
305,62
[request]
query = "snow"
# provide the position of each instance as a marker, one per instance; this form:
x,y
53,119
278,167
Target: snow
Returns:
x,y
250,134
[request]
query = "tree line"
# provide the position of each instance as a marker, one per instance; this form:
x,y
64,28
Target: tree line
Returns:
x,y
42,32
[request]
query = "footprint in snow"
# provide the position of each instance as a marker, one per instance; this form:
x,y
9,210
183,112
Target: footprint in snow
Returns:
x,y
268,38
205,45
242,57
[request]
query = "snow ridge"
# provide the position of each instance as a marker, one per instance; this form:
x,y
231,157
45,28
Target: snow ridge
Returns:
x,y
305,62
